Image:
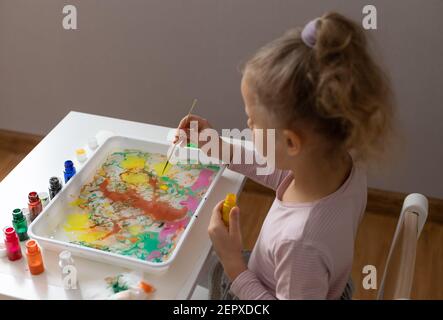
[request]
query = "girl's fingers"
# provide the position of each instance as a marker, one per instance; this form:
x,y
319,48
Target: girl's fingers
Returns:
x,y
185,122
234,222
182,134
185,137
219,205
184,127
216,218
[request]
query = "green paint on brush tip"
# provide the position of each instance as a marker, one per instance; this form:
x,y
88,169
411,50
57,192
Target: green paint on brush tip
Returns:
x,y
192,145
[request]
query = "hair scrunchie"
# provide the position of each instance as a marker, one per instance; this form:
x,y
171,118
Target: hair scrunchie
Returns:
x,y
309,33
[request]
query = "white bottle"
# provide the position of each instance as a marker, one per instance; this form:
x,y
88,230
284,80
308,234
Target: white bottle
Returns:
x,y
81,155
93,143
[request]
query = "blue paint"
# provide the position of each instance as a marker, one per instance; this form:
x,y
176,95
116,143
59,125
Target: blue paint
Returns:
x,y
69,170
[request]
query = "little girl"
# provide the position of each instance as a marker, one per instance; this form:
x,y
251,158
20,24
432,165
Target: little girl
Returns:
x,y
330,106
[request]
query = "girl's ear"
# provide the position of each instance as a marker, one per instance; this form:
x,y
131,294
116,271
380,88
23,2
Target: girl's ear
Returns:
x,y
292,142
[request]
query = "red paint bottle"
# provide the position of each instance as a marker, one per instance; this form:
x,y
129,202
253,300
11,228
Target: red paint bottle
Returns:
x,y
34,205
12,244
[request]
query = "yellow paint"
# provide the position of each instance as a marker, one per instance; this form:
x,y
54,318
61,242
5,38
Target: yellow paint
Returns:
x,y
135,178
133,162
158,168
164,187
77,202
228,204
91,236
79,224
135,229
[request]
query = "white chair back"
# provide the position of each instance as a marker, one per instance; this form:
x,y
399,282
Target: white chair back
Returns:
x,y
398,275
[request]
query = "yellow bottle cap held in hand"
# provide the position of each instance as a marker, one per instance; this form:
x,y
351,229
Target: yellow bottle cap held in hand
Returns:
x,y
228,204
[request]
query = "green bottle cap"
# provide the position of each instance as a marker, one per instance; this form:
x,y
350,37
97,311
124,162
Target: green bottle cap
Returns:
x,y
17,214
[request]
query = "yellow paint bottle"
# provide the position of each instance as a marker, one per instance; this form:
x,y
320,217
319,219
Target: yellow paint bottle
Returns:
x,y
228,204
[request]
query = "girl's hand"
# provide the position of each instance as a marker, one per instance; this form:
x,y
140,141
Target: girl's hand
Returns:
x,y
184,127
183,135
227,243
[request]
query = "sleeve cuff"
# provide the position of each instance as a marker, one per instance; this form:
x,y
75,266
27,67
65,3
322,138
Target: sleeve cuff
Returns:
x,y
239,283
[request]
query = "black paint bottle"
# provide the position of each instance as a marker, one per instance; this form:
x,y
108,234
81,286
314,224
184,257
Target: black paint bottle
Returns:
x,y
54,187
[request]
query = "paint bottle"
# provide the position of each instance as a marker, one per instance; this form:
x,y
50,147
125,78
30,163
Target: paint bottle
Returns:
x,y
27,215
35,259
34,205
20,224
13,250
44,198
65,259
81,155
69,170
228,204
55,186
93,143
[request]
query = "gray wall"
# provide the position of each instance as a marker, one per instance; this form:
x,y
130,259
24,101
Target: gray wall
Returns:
x,y
146,61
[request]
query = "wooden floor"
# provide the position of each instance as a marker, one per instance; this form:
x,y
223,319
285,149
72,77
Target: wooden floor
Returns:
x,y
373,240
372,245
13,148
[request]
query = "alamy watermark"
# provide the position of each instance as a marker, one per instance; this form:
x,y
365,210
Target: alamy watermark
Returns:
x,y
370,280
233,151
69,21
369,21
69,273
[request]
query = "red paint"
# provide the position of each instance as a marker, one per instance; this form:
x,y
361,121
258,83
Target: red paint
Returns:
x,y
34,205
157,210
12,244
35,260
115,229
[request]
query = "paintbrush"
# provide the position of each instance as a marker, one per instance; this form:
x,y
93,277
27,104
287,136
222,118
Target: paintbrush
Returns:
x,y
176,143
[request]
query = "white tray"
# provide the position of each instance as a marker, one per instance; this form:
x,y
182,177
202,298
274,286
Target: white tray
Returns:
x,y
42,228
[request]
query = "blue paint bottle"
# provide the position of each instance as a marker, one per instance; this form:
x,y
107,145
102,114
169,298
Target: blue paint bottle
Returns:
x,y
69,170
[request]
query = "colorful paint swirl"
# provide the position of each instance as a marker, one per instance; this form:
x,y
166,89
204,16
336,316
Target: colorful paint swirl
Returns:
x,y
131,209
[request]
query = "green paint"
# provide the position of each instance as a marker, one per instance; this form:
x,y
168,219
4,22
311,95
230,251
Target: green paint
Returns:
x,y
146,243
20,225
213,167
150,241
192,145
117,285
175,187
93,246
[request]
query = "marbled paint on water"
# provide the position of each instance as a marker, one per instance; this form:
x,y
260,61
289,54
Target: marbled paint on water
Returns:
x,y
129,208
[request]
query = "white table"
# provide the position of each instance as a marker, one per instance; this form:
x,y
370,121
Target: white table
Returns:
x,y
46,160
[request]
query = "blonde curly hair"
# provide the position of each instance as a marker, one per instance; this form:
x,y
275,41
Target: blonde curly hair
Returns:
x,y
333,85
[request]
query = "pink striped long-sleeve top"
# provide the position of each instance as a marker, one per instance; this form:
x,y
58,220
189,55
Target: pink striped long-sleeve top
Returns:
x,y
305,250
